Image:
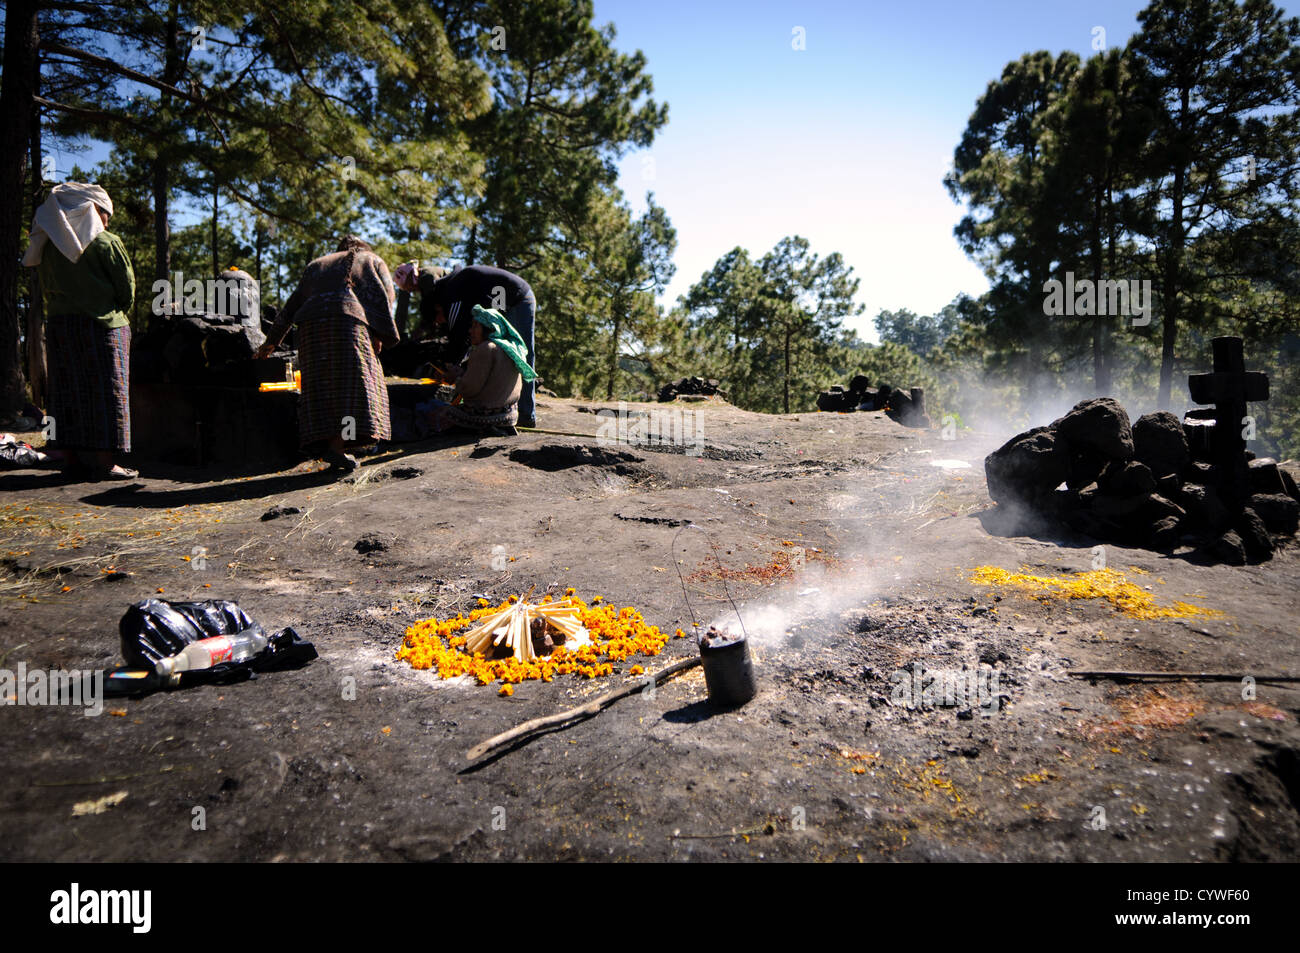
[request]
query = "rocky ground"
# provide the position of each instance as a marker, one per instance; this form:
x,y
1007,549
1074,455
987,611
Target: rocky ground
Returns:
x,y
821,765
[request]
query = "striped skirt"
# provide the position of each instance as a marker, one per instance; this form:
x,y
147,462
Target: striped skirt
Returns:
x,y
90,373
343,392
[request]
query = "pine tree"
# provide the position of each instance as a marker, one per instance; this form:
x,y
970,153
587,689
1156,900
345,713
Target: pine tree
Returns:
x,y
1091,151
999,171
773,326
567,104
1225,148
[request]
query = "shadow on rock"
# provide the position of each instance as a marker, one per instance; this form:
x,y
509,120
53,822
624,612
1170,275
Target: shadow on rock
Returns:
x,y
1010,520
694,713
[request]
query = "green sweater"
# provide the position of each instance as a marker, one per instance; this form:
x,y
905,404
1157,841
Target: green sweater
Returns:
x,y
99,284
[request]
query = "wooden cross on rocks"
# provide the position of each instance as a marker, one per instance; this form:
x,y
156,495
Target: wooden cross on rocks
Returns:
x,y
1228,388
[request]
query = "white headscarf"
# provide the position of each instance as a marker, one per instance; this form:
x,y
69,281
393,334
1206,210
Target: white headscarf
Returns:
x,y
68,217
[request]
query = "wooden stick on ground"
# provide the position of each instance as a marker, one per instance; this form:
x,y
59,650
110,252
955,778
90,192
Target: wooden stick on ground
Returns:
x,y
584,710
1193,676
558,433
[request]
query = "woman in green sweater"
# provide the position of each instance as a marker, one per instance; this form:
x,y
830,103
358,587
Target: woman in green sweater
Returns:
x,y
88,287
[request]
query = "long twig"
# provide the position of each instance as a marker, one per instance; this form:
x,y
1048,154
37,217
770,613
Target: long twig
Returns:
x,y
584,710
166,769
1178,676
721,576
760,829
5,654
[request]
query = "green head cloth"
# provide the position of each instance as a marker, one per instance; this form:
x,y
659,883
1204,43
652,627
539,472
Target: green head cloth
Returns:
x,y
504,336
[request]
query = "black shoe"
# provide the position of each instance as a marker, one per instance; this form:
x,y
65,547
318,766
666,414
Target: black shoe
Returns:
x,y
527,422
342,462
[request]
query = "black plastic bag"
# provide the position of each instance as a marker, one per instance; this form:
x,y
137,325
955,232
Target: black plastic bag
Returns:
x,y
14,454
156,629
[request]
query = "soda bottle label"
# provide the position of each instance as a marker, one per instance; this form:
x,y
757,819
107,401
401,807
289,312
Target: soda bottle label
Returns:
x,y
219,649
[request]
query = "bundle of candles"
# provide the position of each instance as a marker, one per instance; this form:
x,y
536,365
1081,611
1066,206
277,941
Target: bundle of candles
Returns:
x,y
294,385
513,627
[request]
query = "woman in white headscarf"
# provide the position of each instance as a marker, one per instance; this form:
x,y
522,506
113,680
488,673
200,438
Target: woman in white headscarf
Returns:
x,y
88,287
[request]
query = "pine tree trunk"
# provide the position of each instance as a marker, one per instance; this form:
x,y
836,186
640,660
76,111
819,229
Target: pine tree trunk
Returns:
x,y
1100,372
259,244
161,235
161,164
1033,367
1169,296
787,368
403,306
216,251
37,371
1112,241
20,65
1173,266
616,332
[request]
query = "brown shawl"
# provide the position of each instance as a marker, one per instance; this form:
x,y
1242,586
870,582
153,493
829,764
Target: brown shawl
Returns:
x,y
352,283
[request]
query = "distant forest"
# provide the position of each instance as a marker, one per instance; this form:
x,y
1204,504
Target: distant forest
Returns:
x,y
488,132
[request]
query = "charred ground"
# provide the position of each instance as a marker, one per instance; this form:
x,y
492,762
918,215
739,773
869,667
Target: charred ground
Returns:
x,y
819,766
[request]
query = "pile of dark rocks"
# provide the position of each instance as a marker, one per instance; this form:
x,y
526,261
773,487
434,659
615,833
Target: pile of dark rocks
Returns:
x,y
690,387
197,348
903,407
1144,485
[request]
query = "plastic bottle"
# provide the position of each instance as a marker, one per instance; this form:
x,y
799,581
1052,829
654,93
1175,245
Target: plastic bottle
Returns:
x,y
205,653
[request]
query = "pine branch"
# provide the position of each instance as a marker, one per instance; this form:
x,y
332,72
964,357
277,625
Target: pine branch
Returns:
x,y
133,75
95,114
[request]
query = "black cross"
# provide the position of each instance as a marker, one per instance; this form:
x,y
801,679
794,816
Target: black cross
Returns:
x,y
1228,388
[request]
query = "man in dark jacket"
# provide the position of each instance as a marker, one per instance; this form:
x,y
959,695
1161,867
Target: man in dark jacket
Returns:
x,y
447,301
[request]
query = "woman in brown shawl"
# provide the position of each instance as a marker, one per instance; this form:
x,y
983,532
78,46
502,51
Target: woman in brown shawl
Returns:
x,y
344,311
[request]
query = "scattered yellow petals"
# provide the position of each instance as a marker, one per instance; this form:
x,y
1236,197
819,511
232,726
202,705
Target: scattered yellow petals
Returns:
x,y
1108,584
616,634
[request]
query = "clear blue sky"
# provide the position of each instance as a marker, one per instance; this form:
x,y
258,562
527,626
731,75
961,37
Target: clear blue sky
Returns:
x,y
845,142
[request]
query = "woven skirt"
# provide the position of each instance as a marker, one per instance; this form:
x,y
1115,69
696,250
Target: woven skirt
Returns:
x,y
343,392
481,418
90,373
